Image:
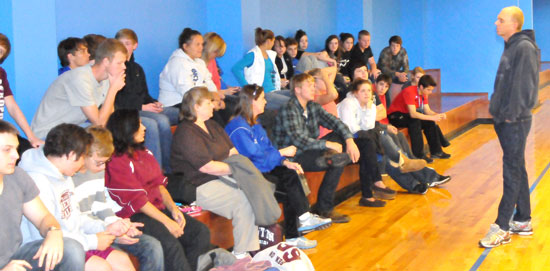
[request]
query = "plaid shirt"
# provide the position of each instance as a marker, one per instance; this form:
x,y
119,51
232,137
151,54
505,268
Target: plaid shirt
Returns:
x,y
390,64
295,127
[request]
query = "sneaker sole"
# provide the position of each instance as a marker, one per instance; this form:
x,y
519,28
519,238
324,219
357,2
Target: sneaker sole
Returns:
x,y
504,242
434,184
315,227
522,233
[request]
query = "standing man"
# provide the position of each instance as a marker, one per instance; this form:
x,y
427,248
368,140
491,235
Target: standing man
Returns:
x,y
514,96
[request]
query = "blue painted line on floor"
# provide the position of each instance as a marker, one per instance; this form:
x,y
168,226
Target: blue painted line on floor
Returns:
x,y
486,251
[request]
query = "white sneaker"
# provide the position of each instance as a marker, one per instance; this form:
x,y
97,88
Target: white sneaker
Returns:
x,y
301,242
240,255
313,223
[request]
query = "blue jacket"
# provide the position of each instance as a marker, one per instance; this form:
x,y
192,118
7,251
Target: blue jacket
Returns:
x,y
253,143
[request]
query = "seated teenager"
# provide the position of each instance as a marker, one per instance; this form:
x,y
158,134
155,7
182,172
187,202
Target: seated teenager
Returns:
x,y
301,38
18,198
135,181
335,51
93,41
346,40
72,53
292,51
7,102
361,53
258,67
297,124
135,95
184,70
416,73
51,169
250,139
410,109
325,92
359,112
283,61
85,94
200,145
394,61
89,193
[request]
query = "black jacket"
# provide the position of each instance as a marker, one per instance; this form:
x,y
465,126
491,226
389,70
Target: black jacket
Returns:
x,y
517,80
135,93
289,69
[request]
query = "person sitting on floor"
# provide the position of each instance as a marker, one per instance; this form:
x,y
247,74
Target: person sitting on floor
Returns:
x,y
411,109
250,139
135,181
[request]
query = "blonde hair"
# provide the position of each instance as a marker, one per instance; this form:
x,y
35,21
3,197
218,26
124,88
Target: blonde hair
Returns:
x,y
102,143
298,80
126,33
516,14
417,70
213,43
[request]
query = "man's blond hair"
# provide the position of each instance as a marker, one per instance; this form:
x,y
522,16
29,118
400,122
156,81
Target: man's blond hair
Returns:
x,y
102,143
516,14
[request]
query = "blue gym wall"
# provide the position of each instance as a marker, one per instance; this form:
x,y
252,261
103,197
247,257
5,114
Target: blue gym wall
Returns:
x,y
456,36
542,26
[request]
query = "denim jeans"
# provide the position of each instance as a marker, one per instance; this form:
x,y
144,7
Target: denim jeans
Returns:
x,y
158,137
148,251
277,98
173,114
73,255
513,137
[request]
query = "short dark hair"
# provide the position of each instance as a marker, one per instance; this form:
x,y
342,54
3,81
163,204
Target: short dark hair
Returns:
x,y
280,39
356,84
123,124
68,46
5,42
396,39
291,41
363,33
93,41
384,77
66,138
186,36
356,65
427,81
7,128
345,36
248,94
262,35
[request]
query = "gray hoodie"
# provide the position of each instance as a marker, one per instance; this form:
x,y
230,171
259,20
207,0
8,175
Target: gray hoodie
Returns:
x,y
517,80
57,193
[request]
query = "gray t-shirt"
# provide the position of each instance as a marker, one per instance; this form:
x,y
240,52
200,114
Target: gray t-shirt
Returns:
x,y
62,101
19,188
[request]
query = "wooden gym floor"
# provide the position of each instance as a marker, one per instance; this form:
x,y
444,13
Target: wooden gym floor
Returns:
x,y
440,230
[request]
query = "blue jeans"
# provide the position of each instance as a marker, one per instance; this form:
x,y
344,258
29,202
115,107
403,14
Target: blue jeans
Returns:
x,y
149,252
158,137
513,137
73,255
277,98
173,114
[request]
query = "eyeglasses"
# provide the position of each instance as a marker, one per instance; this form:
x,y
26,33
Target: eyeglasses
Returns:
x,y
101,163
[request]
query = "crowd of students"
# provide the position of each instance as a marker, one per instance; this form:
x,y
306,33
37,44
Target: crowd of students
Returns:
x,y
98,193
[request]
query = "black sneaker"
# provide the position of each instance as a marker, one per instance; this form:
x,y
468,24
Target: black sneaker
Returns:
x,y
440,180
376,203
420,188
428,159
333,160
441,155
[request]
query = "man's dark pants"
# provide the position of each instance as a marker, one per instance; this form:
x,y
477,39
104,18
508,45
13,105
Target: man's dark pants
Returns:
x,y
513,137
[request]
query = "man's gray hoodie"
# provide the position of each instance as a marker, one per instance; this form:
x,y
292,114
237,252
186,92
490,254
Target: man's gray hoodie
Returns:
x,y
517,80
